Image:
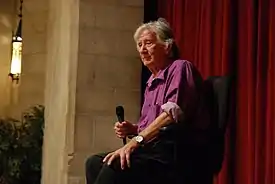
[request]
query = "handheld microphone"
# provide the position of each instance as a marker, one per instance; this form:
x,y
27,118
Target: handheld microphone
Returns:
x,y
120,118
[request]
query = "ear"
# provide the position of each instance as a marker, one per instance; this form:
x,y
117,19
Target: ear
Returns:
x,y
168,48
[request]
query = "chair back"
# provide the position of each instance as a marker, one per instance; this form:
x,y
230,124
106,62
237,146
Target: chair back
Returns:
x,y
218,98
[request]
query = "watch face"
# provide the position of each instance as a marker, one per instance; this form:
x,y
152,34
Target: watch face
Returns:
x,y
139,138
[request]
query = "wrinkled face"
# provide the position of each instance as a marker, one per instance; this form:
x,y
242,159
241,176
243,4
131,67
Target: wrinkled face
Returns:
x,y
151,51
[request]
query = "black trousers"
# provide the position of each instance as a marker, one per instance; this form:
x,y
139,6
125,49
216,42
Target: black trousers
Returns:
x,y
150,164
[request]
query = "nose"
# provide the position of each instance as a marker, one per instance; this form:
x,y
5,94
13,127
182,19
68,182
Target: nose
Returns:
x,y
142,49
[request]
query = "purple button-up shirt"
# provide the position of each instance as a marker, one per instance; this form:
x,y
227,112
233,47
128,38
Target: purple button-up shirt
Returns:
x,y
173,90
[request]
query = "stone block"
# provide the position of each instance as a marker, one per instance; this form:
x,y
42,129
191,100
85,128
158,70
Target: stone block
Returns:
x,y
84,132
33,42
86,67
35,21
87,14
131,18
125,45
102,2
77,165
107,42
130,99
104,135
116,72
97,41
33,82
108,17
136,3
94,100
35,6
34,63
31,90
76,180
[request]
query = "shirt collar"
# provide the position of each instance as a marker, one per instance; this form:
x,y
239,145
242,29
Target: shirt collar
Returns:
x,y
160,76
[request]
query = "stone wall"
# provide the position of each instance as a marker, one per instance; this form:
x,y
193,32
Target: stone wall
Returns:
x,y
34,32
79,60
92,66
7,23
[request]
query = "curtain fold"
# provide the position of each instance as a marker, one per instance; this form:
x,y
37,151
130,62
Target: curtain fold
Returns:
x,y
238,38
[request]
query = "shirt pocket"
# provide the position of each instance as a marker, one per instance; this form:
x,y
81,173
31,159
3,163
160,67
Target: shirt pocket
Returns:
x,y
160,97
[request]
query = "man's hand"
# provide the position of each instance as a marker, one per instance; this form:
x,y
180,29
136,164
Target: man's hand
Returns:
x,y
122,153
124,129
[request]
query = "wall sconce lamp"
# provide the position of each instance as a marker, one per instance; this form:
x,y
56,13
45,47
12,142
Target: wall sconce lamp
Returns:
x,y
16,57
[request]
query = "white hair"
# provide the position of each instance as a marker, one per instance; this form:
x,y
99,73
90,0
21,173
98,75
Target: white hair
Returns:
x,y
163,32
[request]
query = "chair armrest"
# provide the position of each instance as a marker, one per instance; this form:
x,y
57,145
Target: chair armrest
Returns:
x,y
171,127
167,131
170,131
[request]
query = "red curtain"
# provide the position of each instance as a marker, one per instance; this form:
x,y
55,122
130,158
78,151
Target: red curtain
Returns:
x,y
234,37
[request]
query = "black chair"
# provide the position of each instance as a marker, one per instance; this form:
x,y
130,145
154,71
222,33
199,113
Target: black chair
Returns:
x,y
219,99
206,160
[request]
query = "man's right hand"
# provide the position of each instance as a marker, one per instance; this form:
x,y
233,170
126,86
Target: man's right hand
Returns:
x,y
124,129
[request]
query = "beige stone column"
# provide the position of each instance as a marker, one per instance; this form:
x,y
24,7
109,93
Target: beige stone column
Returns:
x,y
92,66
62,49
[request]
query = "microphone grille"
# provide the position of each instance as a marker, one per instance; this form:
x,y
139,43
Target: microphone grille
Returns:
x,y
120,111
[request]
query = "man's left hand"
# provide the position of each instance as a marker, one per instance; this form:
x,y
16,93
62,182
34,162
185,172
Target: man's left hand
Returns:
x,y
122,153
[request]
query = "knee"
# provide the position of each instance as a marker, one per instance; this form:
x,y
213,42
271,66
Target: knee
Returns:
x,y
91,162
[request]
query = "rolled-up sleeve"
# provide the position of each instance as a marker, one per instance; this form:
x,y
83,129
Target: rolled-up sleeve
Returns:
x,y
174,110
181,97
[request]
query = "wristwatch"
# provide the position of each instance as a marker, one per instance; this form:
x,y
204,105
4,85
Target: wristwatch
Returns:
x,y
139,139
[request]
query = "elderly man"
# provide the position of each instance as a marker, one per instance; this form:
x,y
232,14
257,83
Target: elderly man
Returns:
x,y
171,96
